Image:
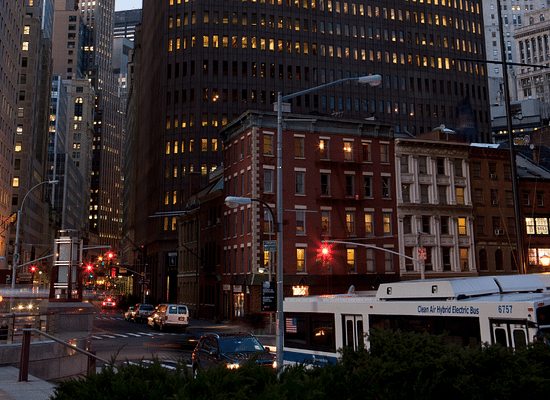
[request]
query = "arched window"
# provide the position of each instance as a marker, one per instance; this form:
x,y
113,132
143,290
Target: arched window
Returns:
x,y
483,260
541,17
499,260
531,20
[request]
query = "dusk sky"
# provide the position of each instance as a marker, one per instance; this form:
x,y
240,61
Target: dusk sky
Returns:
x,y
127,4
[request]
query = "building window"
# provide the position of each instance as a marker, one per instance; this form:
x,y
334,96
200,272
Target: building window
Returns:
x,y
422,165
458,167
424,197
386,218
386,187
483,261
325,184
388,261
298,147
369,228
299,182
462,226
460,195
350,187
365,150
367,185
268,221
444,225
300,222
268,181
370,260
384,153
404,164
325,222
350,222
406,193
323,149
350,261
464,265
300,259
440,166
268,145
348,150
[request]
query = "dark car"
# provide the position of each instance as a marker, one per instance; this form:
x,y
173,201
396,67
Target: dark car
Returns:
x,y
231,349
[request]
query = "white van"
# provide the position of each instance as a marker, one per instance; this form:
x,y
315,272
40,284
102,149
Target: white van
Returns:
x,y
171,316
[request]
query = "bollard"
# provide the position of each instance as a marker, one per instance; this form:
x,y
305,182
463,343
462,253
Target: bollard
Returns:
x,y
25,351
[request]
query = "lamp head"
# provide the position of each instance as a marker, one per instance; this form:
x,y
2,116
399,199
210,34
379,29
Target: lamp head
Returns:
x,y
234,202
373,80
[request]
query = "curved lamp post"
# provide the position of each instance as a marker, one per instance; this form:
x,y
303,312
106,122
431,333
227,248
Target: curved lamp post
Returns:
x,y
373,80
16,252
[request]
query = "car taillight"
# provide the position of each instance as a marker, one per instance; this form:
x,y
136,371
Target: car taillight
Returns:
x,y
103,303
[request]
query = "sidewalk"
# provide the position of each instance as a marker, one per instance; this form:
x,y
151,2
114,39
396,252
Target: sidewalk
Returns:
x,y
33,389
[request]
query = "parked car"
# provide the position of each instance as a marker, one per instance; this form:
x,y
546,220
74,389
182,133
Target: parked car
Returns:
x,y
108,303
174,316
231,349
151,318
142,312
129,314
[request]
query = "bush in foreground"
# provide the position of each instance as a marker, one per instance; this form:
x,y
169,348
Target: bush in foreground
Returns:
x,y
398,366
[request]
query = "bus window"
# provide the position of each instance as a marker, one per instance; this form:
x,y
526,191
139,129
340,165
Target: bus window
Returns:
x,y
520,338
353,331
501,337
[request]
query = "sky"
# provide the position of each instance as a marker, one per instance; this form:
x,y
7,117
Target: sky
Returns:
x,y
121,5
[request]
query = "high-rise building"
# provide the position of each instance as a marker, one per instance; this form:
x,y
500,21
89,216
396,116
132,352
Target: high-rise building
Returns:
x,y
204,63
11,26
125,23
106,185
513,17
30,158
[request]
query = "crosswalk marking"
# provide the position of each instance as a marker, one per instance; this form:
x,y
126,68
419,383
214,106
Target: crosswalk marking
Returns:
x,y
109,336
120,334
97,337
133,334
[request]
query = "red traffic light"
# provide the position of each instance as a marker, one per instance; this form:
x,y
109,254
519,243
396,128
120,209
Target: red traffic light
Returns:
x,y
89,267
33,269
110,255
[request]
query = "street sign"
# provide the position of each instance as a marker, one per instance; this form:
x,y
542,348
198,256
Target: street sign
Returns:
x,y
143,282
269,296
422,253
270,245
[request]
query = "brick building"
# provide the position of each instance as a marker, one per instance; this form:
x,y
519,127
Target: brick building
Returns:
x,y
493,200
338,185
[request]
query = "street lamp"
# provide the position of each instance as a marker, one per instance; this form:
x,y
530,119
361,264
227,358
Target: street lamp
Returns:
x,y
373,80
16,253
234,202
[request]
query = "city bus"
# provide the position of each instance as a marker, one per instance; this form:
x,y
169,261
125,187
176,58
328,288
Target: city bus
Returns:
x,y
509,310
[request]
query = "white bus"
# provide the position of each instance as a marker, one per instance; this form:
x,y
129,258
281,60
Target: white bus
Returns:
x,y
509,310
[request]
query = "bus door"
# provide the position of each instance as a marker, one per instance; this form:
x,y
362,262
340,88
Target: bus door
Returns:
x,y
353,333
509,333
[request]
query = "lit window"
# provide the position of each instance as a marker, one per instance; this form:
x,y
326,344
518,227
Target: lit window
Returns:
x,y
350,222
300,260
348,151
462,226
17,147
350,260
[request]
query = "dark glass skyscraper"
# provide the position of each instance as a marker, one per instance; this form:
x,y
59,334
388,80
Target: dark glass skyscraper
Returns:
x,y
202,63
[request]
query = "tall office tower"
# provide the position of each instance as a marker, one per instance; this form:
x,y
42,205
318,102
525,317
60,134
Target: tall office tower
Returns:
x,y
30,159
68,198
126,22
205,62
11,28
106,186
513,17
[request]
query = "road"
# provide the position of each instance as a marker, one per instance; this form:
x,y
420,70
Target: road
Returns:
x,y
112,336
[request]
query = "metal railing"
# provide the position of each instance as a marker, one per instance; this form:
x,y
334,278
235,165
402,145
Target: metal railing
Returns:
x,y
26,346
12,325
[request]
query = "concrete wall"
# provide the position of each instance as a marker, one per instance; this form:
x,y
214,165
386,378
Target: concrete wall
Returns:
x,y
48,360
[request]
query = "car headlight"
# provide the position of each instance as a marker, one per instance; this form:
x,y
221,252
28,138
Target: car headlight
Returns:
x,y
233,366
274,364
